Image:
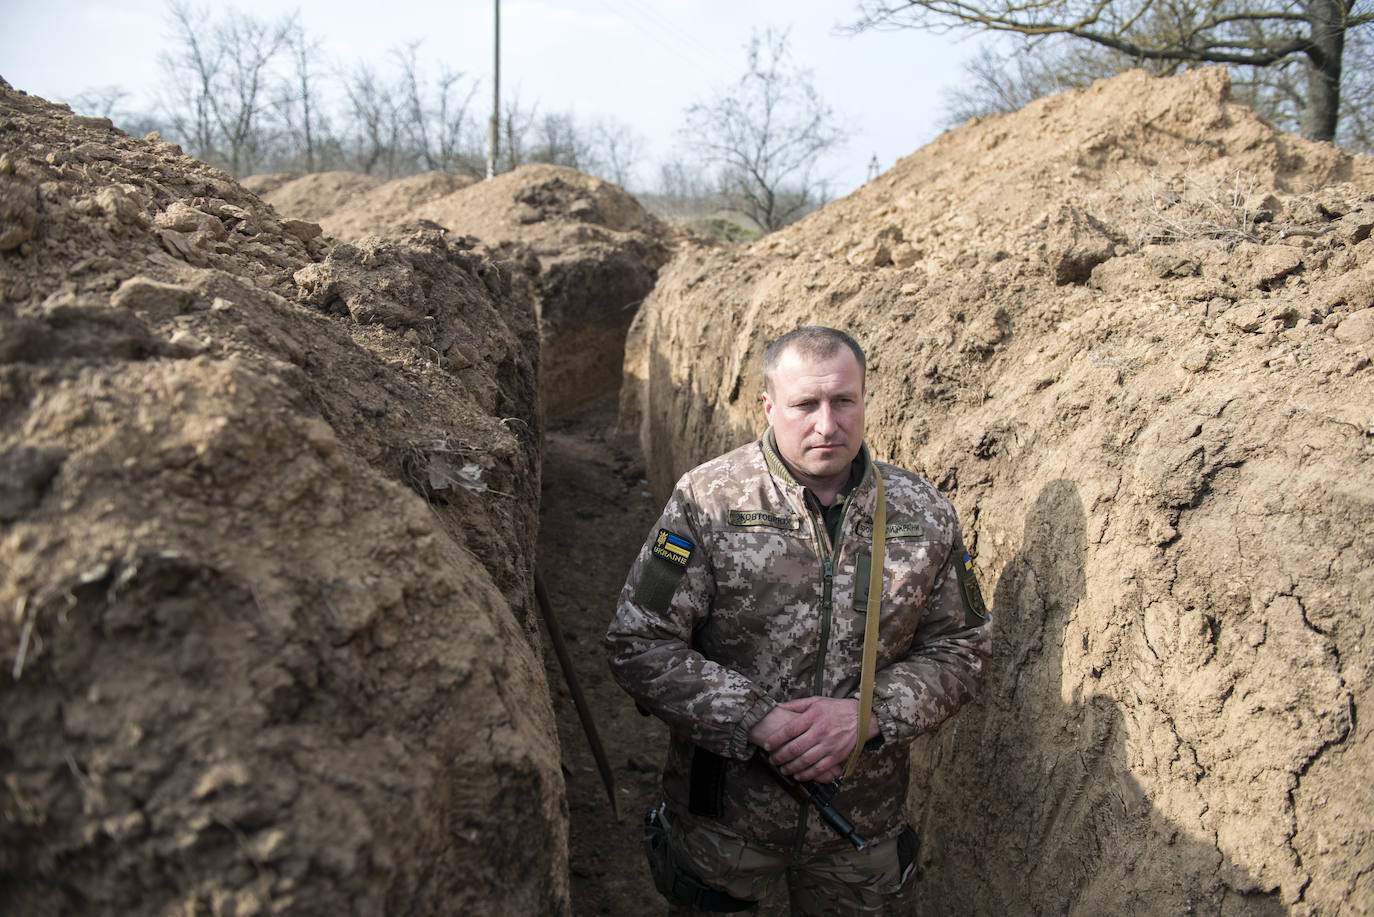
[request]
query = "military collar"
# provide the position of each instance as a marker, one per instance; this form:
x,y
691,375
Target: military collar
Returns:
x,y
860,470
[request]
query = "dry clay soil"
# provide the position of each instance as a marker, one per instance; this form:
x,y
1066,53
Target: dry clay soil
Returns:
x,y
1128,331
1143,726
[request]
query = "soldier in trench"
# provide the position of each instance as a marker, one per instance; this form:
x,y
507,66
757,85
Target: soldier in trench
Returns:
x,y
744,624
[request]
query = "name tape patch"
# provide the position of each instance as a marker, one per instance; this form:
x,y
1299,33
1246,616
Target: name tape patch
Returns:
x,y
672,548
758,517
894,530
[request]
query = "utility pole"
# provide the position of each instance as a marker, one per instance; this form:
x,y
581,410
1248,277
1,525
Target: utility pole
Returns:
x,y
493,127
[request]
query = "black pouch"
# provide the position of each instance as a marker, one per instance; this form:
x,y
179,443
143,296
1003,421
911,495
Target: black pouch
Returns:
x,y
909,854
658,851
675,884
706,790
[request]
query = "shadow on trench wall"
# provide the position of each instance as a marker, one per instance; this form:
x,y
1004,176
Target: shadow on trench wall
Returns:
x,y
1052,820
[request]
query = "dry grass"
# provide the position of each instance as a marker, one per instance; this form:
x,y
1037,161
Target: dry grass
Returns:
x,y
1185,208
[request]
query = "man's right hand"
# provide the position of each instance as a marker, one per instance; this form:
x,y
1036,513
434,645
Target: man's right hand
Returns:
x,y
810,738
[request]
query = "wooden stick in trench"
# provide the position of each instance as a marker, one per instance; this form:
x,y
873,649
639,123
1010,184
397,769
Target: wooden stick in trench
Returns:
x,y
584,712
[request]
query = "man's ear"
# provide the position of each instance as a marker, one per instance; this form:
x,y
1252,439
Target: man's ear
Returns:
x,y
767,408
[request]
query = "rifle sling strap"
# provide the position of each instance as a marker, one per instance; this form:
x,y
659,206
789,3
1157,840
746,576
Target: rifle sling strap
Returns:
x,y
875,599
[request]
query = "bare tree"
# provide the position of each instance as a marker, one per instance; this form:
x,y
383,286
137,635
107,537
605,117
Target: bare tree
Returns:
x,y
1244,33
1008,82
516,124
766,135
559,141
108,102
436,118
1277,92
1357,93
193,71
246,94
683,191
375,122
250,47
300,104
998,83
224,74
604,148
617,151
102,101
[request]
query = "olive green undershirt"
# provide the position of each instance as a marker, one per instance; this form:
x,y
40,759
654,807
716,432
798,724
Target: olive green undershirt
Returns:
x,y
832,514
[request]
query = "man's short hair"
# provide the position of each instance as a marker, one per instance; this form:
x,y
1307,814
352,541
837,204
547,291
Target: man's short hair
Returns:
x,y
815,341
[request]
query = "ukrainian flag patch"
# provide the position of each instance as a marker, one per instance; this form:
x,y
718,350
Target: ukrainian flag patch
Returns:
x,y
975,609
673,548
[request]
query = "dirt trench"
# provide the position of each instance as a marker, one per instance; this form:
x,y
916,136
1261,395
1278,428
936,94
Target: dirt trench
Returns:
x,y
1157,433
594,512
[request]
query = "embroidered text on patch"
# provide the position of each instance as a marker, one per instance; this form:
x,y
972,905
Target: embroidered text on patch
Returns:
x,y
894,530
744,517
672,547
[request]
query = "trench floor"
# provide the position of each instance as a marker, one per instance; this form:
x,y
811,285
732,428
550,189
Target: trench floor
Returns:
x,y
595,513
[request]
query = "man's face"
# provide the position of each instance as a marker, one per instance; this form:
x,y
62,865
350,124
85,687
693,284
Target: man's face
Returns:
x,y
816,410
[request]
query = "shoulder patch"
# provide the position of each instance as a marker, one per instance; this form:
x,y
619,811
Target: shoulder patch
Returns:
x,y
672,548
663,571
975,610
745,517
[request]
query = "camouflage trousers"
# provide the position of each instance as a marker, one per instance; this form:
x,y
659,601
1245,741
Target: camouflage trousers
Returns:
x,y
872,881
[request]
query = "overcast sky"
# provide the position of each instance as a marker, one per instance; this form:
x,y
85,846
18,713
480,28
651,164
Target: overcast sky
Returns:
x,y
639,62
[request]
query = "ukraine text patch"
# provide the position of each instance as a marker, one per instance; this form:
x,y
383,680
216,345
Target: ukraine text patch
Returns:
x,y
672,547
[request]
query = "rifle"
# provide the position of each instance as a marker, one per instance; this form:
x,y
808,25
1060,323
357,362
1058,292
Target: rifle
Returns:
x,y
818,795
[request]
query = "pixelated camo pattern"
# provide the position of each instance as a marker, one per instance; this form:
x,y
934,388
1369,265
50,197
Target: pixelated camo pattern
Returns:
x,y
839,883
754,621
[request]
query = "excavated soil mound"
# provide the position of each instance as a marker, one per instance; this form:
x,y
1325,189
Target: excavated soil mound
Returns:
x,y
390,203
590,249
266,182
1128,330
592,252
266,509
317,195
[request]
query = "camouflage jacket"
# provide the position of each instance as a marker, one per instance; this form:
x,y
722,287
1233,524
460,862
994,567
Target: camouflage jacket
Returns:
x,y
739,601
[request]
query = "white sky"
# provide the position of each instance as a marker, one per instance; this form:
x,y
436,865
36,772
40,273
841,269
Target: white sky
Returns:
x,y
639,62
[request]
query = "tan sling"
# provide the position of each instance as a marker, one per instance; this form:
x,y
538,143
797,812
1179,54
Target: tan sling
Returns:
x,y
875,600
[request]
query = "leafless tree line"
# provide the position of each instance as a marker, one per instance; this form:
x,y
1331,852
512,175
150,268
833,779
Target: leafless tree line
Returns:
x,y
254,96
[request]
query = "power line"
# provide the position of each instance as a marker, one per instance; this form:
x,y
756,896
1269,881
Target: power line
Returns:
x,y
670,36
